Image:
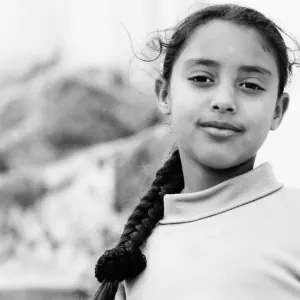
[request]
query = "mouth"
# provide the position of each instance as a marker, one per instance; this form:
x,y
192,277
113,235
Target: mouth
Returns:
x,y
221,130
221,126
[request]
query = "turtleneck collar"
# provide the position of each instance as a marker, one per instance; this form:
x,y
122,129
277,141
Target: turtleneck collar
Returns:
x,y
237,191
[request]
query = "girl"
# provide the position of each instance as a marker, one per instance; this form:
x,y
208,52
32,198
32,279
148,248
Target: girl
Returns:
x,y
232,233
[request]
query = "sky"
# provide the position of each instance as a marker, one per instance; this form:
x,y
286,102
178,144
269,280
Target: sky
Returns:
x,y
106,32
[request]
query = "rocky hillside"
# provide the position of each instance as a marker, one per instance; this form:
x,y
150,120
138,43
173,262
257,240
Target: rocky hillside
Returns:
x,y
76,156
50,116
61,216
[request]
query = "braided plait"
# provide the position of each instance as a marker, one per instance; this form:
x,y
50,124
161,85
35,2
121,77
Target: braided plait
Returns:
x,y
168,180
126,259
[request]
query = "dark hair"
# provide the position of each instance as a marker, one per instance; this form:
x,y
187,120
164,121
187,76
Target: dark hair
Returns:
x,y
239,15
126,260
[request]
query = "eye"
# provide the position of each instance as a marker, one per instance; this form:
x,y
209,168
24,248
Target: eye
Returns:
x,y
252,86
201,79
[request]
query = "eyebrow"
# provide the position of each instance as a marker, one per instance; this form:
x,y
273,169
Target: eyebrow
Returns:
x,y
203,62
215,64
255,69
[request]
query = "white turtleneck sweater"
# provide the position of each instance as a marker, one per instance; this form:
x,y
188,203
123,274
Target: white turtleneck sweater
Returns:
x,y
238,240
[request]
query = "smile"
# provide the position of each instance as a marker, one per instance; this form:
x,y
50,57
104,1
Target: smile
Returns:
x,y
220,133
221,129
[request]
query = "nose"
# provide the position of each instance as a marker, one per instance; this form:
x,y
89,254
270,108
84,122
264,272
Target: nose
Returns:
x,y
224,101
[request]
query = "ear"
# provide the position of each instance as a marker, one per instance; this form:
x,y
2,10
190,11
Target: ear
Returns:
x,y
162,94
280,110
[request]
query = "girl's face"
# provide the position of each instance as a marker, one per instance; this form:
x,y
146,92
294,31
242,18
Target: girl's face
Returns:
x,y
223,95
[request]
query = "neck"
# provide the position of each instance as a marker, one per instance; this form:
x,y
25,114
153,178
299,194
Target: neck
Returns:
x,y
198,177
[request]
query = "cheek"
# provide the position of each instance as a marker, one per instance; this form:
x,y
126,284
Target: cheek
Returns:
x,y
184,112
184,118
261,117
187,105
258,112
258,127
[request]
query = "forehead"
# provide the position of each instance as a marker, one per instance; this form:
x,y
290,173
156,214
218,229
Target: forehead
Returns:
x,y
229,44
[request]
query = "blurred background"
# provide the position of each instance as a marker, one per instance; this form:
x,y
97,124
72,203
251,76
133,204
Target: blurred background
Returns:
x,y
80,135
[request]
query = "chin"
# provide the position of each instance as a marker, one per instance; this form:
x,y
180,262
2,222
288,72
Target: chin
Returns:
x,y
222,163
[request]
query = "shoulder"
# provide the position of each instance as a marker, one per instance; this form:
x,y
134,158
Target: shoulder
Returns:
x,y
286,202
290,193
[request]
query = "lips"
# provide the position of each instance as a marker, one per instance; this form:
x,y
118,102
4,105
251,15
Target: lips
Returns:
x,y
222,125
